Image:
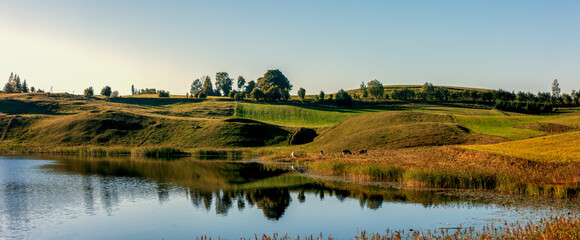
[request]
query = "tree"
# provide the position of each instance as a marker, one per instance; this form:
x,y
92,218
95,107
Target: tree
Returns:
x,y
428,91
301,93
89,92
321,96
555,89
17,85
24,87
403,94
257,94
115,94
223,83
363,90
32,89
250,87
376,89
207,86
342,98
133,90
106,91
274,78
8,88
163,94
196,87
241,83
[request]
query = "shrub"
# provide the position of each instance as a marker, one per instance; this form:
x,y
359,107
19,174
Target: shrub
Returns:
x,y
163,93
89,92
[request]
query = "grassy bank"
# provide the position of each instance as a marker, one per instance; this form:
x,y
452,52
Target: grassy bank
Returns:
x,y
452,168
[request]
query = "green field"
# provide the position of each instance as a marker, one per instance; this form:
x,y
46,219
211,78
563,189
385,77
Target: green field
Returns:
x,y
42,121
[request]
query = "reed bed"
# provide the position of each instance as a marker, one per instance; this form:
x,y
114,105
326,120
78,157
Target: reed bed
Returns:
x,y
158,152
554,227
449,167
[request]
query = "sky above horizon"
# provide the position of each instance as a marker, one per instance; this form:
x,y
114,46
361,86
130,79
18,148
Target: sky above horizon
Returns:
x,y
326,45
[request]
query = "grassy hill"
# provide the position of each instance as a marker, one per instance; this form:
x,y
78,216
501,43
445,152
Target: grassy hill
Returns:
x,y
45,121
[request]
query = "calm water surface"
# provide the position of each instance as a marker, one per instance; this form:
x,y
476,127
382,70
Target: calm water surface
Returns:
x,y
124,198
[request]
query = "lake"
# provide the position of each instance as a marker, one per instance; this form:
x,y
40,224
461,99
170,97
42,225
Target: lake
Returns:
x,y
58,197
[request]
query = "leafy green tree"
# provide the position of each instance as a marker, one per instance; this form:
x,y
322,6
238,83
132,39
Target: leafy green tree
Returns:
x,y
487,96
544,97
363,90
301,93
32,89
257,94
89,92
403,94
106,91
555,89
163,94
223,83
428,91
475,95
376,88
241,83
250,87
321,96
343,98
274,78
196,87
207,86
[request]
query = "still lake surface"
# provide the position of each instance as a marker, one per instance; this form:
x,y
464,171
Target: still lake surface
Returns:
x,y
129,198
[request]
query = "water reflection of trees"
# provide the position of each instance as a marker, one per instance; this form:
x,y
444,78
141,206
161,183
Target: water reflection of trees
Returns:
x,y
225,185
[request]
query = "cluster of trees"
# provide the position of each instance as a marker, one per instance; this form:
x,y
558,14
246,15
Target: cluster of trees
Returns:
x,y
106,91
273,86
376,90
15,85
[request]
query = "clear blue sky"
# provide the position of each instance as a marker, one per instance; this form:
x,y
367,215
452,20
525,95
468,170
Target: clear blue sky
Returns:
x,y
319,45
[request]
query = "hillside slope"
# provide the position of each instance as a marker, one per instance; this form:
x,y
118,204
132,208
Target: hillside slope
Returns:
x,y
392,130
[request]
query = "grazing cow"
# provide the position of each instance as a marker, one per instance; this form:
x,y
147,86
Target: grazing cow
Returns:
x,y
293,155
345,152
321,153
363,152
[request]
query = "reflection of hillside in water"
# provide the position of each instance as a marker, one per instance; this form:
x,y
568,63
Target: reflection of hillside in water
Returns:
x,y
225,185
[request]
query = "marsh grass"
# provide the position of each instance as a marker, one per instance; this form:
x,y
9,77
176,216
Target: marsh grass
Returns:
x,y
554,227
449,167
158,152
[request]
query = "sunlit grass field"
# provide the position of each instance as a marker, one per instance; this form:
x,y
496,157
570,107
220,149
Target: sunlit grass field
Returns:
x,y
554,148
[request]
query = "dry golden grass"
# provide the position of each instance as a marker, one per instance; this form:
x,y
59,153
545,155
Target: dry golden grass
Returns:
x,y
554,148
448,167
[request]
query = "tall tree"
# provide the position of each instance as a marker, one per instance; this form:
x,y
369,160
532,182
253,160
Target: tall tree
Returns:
x,y
24,87
274,78
250,87
275,85
223,83
196,87
17,86
363,90
207,86
376,89
241,83
133,92
555,89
